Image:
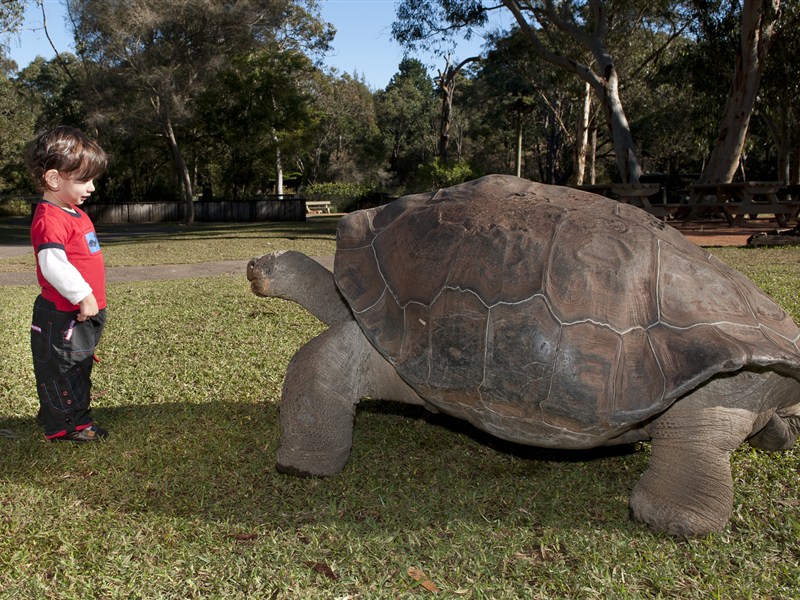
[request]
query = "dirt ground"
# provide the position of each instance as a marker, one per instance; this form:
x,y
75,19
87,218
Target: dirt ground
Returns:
x,y
719,233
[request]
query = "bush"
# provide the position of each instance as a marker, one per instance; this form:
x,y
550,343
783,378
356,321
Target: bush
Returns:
x,y
441,175
15,207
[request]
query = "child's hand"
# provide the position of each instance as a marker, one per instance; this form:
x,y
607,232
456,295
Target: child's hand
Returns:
x,y
88,307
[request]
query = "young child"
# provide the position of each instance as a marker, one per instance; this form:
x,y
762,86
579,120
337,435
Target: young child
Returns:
x,y
69,314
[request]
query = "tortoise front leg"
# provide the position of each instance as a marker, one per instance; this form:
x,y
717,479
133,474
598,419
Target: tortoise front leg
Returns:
x,y
324,382
318,401
688,488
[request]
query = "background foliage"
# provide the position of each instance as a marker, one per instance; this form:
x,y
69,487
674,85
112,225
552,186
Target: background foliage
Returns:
x,y
226,110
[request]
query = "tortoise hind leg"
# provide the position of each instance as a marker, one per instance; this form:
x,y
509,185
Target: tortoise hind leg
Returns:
x,y
687,489
324,382
780,432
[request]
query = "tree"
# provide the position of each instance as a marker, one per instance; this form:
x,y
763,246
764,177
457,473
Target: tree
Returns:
x,y
11,13
166,53
446,84
531,106
17,117
253,113
52,87
406,116
780,92
588,24
757,26
343,137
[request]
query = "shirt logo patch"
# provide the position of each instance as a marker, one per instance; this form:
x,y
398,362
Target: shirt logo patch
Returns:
x,y
92,242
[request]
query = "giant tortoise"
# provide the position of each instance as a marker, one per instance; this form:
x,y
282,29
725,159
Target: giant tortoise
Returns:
x,y
546,316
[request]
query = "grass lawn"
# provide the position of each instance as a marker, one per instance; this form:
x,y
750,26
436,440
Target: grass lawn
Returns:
x,y
183,500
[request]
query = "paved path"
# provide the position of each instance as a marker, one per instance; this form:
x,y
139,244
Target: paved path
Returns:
x,y
151,273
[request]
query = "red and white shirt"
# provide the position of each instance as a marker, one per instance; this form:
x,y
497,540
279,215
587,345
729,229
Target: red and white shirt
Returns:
x,y
69,262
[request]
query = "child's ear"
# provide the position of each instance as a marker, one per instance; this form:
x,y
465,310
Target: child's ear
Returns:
x,y
51,179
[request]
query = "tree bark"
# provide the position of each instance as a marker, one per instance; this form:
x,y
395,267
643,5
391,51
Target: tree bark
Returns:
x,y
757,27
181,169
447,86
781,136
604,81
518,154
582,139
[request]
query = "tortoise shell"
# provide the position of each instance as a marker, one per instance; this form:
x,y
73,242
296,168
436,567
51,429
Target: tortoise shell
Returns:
x,y
543,313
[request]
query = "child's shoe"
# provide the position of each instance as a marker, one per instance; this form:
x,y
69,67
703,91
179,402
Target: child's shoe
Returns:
x,y
93,433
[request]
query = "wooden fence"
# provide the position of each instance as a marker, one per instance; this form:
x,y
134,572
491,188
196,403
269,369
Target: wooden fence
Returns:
x,y
270,208
286,208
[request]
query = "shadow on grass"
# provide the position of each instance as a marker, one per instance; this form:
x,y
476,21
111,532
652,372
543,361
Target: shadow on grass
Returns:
x,y
409,468
318,228
16,230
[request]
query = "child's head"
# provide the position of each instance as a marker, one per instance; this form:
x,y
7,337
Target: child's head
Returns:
x,y
66,150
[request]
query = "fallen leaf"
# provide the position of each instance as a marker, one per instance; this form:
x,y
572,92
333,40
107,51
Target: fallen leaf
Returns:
x,y
417,575
242,537
321,568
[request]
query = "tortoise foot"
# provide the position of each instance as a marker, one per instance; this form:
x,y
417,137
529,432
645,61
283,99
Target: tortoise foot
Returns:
x,y
679,519
294,461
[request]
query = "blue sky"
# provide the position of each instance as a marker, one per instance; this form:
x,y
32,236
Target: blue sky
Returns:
x,y
363,43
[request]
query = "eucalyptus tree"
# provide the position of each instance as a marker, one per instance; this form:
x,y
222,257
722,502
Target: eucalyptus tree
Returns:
x,y
343,142
407,117
757,21
252,115
156,56
591,25
779,97
11,15
17,117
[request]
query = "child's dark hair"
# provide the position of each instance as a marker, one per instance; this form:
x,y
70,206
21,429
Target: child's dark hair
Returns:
x,y
67,150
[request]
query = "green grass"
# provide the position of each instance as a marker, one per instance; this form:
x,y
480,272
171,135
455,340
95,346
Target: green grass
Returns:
x,y
183,501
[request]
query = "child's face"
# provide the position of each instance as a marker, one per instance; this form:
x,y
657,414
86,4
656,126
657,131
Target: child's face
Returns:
x,y
63,189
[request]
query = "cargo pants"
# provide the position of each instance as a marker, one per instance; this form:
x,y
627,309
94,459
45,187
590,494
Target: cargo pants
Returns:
x,y
63,356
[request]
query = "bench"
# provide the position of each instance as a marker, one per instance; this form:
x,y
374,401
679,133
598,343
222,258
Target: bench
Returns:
x,y
315,207
746,198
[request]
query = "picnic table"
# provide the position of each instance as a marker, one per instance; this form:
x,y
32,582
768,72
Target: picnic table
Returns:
x,y
651,197
735,201
318,206
744,198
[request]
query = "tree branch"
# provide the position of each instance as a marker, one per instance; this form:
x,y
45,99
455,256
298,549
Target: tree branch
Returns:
x,y
60,60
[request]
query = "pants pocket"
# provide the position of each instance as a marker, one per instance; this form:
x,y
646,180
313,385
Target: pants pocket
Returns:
x,y
68,393
41,340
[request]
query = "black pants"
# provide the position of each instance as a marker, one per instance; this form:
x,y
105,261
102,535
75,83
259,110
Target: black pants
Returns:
x,y
63,356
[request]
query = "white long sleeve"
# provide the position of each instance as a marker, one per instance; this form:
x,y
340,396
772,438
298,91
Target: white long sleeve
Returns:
x,y
62,275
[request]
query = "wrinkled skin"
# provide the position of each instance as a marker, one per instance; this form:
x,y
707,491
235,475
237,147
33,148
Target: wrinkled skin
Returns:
x,y
687,489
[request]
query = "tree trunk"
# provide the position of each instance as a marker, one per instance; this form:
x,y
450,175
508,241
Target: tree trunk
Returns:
x,y
180,167
447,87
758,22
582,146
624,148
519,147
279,172
605,80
